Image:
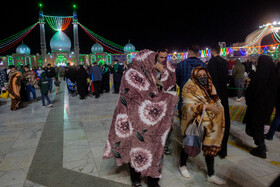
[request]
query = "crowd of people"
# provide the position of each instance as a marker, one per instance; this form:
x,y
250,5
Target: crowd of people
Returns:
x,y
143,118
142,121
94,79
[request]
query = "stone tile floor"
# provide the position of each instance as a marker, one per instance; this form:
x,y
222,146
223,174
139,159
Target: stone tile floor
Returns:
x,y
85,129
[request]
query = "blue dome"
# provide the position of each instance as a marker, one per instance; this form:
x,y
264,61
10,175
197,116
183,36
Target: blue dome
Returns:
x,y
23,49
129,48
60,42
96,48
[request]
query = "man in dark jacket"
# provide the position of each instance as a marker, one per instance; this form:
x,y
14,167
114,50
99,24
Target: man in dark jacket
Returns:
x,y
184,69
50,73
218,69
95,74
44,85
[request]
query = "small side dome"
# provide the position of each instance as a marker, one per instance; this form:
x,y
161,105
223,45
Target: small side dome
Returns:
x,y
129,47
96,48
23,49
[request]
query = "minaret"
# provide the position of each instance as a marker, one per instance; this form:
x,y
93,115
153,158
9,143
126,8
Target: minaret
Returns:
x,y
42,35
76,37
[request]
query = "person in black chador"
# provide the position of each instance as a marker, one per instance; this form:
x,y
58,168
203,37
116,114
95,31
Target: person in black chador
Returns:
x,y
117,75
218,69
106,78
82,82
260,99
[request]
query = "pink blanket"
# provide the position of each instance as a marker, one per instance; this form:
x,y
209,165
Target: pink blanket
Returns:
x,y
143,116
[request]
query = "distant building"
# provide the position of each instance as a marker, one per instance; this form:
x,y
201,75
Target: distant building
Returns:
x,y
61,54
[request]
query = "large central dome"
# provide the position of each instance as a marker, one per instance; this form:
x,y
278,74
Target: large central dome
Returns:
x,y
60,42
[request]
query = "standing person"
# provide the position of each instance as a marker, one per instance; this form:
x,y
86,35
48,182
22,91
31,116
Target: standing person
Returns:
x,y
3,77
117,75
50,72
106,78
57,85
142,119
44,85
260,100
14,89
200,100
238,75
60,72
39,71
276,121
82,82
218,69
30,81
184,69
95,74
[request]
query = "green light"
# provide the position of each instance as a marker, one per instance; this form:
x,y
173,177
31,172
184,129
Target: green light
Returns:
x,y
40,5
74,6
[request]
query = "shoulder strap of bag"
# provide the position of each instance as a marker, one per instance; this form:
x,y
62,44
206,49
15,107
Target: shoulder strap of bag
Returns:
x,y
201,116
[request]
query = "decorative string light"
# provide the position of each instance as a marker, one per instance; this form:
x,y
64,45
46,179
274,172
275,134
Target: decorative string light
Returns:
x,y
58,23
11,41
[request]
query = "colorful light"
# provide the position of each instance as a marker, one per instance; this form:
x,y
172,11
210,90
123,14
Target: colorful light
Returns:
x,y
11,41
58,23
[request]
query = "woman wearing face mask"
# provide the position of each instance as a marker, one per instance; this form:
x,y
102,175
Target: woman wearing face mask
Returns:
x,y
200,99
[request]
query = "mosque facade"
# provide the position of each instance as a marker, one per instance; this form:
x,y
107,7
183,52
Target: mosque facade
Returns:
x,y
61,54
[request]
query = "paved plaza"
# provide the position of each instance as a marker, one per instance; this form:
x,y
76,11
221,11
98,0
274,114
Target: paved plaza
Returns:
x,y
64,145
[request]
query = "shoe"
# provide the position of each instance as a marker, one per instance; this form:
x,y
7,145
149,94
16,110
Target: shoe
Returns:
x,y
216,180
136,184
50,105
166,151
184,171
259,152
268,138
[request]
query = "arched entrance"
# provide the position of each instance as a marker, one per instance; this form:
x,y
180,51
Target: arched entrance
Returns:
x,y
61,60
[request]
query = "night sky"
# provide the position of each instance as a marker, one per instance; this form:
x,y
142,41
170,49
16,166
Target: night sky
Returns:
x,y
147,24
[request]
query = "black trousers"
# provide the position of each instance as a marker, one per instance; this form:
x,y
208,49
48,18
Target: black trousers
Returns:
x,y
208,159
96,85
135,177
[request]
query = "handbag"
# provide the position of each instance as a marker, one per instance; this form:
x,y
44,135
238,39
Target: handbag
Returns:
x,y
4,94
192,142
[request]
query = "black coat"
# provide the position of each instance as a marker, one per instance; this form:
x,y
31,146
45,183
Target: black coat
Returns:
x,y
218,69
260,98
82,82
277,104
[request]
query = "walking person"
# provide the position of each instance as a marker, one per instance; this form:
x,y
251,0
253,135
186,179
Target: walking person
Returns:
x,y
30,81
184,69
57,85
95,74
200,100
50,72
260,99
14,86
82,82
44,85
143,118
218,69
238,71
